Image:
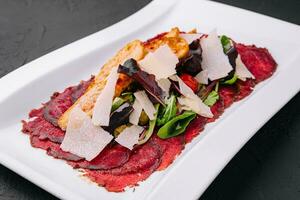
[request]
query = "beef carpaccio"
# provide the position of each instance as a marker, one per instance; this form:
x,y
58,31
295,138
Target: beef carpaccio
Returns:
x,y
175,122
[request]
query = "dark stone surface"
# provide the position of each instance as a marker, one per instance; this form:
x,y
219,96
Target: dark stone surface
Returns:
x,y
268,167
32,28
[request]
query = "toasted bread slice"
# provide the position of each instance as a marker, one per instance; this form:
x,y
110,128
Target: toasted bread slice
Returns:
x,y
179,46
135,49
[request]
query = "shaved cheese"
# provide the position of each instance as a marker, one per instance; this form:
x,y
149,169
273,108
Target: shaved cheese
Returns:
x,y
173,78
161,62
195,105
202,77
82,138
145,102
102,108
191,101
136,113
129,136
186,90
213,58
165,85
190,37
241,70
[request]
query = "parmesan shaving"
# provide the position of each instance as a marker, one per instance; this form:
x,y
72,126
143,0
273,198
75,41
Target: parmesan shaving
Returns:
x,y
195,105
129,136
202,77
241,70
213,58
146,104
191,101
82,138
136,113
173,78
102,108
186,90
161,62
165,85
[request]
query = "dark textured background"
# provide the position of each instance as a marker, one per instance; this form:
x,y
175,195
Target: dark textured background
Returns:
x,y
268,167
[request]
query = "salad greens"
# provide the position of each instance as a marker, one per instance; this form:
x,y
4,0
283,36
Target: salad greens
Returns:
x,y
168,112
213,96
119,129
144,119
118,101
128,96
177,125
149,132
205,90
165,116
226,43
229,49
230,81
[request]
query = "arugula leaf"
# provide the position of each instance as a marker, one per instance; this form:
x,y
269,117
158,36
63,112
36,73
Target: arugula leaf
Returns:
x,y
128,96
231,81
118,101
149,132
205,90
212,98
177,125
226,43
168,112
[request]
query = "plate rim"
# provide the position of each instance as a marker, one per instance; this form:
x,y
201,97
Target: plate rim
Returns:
x,y
54,188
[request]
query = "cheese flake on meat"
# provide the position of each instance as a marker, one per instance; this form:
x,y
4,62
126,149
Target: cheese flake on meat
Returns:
x,y
195,105
185,90
136,113
161,62
241,70
146,104
102,108
173,78
213,58
129,136
165,85
190,101
82,138
190,37
202,77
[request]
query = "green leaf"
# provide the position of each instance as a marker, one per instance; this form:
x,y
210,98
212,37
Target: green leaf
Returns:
x,y
150,130
231,81
226,43
176,126
212,98
127,96
118,101
168,112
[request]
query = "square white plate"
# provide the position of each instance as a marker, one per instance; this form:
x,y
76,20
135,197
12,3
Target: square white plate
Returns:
x,y
205,157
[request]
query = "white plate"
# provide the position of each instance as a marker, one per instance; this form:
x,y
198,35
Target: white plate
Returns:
x,y
205,157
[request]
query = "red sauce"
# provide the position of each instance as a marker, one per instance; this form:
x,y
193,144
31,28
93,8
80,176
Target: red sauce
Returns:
x,y
157,37
116,167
